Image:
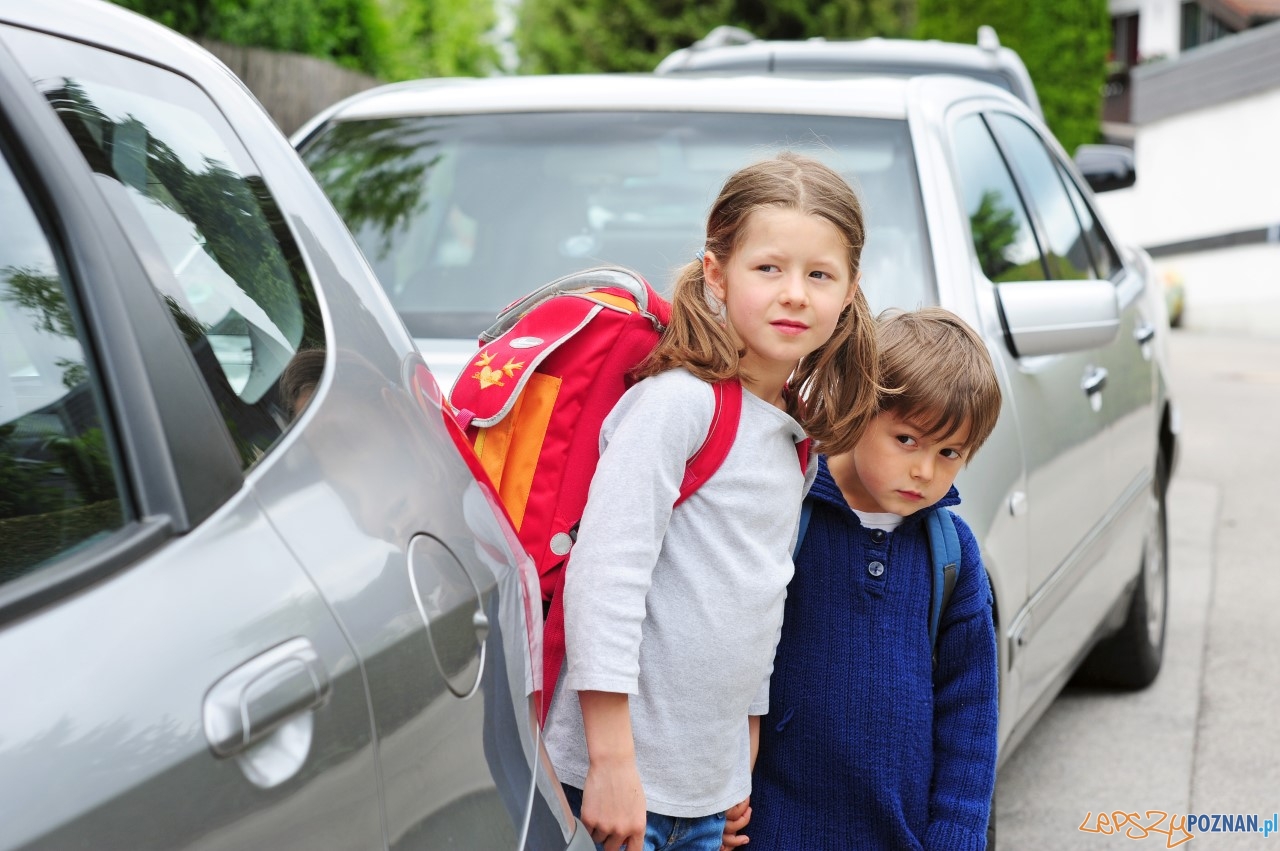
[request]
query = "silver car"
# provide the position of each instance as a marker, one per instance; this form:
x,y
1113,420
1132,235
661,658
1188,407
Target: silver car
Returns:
x,y
251,593
467,194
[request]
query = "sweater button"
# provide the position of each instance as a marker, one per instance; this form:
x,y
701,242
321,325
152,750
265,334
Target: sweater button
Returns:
x,y
875,568
877,535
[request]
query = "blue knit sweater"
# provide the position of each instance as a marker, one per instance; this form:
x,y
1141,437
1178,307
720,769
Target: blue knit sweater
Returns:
x,y
866,745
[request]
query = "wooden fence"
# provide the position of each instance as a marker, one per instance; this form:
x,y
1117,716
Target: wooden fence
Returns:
x,y
291,86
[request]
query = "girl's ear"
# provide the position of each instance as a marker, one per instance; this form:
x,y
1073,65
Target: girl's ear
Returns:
x,y
853,289
713,274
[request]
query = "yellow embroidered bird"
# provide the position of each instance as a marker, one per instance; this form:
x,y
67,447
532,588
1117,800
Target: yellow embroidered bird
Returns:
x,y
488,376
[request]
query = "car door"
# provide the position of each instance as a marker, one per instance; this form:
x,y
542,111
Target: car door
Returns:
x,y
1064,433
1118,383
172,677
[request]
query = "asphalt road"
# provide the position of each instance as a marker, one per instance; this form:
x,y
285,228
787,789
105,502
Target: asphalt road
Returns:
x,y
1205,738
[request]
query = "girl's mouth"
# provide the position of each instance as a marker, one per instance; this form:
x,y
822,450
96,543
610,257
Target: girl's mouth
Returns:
x,y
787,326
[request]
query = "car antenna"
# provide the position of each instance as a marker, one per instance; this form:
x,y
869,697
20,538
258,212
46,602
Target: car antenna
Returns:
x,y
987,38
723,36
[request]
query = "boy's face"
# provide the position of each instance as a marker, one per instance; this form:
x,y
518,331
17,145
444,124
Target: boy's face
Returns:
x,y
900,469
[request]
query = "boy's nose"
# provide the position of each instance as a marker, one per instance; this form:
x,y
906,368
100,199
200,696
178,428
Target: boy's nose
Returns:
x,y
924,469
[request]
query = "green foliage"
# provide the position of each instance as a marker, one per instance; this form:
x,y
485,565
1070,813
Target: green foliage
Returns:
x,y
583,36
391,39
1064,44
374,173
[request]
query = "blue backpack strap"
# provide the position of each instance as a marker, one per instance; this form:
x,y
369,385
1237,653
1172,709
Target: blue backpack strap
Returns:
x,y
944,551
806,511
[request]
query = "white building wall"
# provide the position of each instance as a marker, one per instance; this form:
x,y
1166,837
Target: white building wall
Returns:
x,y
1159,25
1203,173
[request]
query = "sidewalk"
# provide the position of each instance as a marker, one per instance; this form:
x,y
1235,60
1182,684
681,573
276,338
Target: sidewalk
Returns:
x,y
1204,738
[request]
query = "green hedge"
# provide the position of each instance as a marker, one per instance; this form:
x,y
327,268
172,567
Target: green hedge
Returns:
x,y
583,36
1064,44
390,40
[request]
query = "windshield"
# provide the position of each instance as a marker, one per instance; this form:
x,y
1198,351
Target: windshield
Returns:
x,y
461,215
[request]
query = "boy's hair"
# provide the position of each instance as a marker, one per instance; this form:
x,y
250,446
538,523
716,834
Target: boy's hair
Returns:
x,y
300,375
838,381
937,374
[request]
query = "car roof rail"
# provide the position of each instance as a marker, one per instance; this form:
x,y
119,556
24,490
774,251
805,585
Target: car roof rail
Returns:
x,y
987,38
723,36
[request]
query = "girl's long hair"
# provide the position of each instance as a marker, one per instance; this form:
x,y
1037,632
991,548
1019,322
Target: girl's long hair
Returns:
x,y
835,386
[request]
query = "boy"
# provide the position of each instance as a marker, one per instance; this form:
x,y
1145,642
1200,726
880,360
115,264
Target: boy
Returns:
x,y
868,743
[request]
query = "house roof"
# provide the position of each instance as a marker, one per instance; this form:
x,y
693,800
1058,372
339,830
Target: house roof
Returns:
x,y
1243,13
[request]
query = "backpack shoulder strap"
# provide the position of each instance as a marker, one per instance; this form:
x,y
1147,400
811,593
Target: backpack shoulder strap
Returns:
x,y
944,552
724,428
806,512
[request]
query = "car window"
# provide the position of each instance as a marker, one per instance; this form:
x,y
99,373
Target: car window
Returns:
x,y
1066,253
1105,259
460,215
188,194
1001,230
58,486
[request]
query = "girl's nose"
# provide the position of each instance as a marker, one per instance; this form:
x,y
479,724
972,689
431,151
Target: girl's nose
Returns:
x,y
794,290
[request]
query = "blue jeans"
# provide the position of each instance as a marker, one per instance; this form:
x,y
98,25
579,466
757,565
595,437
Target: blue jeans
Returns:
x,y
668,833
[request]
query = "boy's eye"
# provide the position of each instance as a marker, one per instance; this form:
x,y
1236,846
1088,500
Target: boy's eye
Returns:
x,y
906,440
767,267
952,454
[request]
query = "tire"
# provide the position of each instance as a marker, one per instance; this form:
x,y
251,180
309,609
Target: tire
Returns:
x,y
1131,657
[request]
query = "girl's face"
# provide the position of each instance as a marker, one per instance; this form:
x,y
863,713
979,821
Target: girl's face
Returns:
x,y
784,288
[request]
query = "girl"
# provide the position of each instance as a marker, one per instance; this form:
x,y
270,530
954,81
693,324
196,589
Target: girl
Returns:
x,y
672,616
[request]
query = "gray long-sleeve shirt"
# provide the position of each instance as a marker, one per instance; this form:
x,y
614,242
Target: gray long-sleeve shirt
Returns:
x,y
681,609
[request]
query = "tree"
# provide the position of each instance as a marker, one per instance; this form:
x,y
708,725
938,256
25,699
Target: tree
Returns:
x,y
1064,44
391,39
582,36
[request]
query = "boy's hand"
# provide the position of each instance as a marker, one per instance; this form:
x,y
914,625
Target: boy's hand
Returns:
x,y
613,806
735,819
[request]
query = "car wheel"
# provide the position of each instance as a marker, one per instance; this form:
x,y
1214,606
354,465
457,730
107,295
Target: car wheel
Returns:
x,y
1131,657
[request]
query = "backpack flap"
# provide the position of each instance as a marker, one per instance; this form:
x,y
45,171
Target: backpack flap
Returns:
x,y
488,389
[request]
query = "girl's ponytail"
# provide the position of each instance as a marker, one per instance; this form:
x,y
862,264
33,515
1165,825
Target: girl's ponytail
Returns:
x,y
695,337
840,381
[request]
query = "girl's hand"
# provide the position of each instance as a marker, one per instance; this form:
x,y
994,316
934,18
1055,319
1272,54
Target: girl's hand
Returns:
x,y
735,819
613,805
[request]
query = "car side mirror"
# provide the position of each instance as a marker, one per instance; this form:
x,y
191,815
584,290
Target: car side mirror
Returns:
x,y
1106,167
1053,317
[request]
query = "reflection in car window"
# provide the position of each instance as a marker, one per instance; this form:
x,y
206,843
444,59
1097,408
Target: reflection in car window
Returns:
x,y
1105,259
232,276
1067,255
58,486
460,215
1002,235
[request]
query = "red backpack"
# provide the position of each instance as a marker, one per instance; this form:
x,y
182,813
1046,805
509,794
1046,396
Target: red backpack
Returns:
x,y
547,373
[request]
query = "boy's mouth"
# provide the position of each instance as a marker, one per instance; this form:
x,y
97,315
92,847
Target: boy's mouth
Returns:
x,y
911,495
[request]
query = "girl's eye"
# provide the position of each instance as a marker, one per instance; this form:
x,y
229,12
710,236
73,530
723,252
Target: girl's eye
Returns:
x,y
767,267
906,440
821,275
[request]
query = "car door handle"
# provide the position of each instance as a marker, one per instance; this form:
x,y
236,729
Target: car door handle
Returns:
x,y
1144,333
253,700
1094,380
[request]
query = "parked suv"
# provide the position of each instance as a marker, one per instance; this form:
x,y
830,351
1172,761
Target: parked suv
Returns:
x,y
731,50
468,195
251,594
